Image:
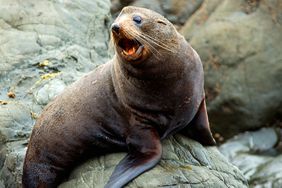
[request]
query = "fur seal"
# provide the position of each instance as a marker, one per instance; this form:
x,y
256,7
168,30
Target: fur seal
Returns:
x,y
152,88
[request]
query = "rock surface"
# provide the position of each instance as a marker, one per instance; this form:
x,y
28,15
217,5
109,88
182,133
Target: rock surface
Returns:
x,y
47,45
176,11
44,46
239,44
185,163
258,155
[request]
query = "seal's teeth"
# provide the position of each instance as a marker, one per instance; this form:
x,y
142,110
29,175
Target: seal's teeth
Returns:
x,y
139,50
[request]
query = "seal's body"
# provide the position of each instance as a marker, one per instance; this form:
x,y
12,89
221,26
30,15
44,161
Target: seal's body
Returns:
x,y
153,87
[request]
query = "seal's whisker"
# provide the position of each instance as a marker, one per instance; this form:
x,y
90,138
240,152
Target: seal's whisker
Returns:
x,y
157,44
148,42
142,39
140,35
160,44
137,35
152,49
152,42
112,42
155,41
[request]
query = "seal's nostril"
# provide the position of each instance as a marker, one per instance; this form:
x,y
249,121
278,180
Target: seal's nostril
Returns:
x,y
115,28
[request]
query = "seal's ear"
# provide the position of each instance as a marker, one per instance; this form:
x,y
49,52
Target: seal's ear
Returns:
x,y
199,128
161,21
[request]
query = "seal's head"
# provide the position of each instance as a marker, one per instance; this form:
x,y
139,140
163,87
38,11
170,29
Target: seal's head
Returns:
x,y
139,33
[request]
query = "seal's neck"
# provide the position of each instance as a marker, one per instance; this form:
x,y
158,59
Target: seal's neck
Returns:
x,y
151,85
153,69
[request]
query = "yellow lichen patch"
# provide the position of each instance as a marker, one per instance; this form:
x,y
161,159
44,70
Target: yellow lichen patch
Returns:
x,y
43,77
218,137
44,63
49,75
186,167
3,102
33,115
11,94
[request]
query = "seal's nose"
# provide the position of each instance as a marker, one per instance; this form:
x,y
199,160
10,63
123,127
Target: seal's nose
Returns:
x,y
115,28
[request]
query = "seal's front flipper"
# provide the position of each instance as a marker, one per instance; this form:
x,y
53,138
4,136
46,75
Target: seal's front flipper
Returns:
x,y
199,128
144,153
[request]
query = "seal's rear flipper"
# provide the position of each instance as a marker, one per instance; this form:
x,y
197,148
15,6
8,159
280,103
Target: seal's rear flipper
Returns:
x,y
199,128
144,153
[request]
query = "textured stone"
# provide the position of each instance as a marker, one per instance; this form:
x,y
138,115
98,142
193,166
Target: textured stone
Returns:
x,y
49,91
72,35
268,174
11,161
16,122
185,163
239,44
256,154
176,11
44,46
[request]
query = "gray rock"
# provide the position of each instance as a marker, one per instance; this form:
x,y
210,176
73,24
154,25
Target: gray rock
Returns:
x,y
185,163
177,11
153,5
256,155
16,122
239,43
269,174
11,158
258,141
44,46
49,91
73,36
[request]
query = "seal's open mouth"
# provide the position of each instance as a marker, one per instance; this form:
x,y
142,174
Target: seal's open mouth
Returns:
x,y
131,48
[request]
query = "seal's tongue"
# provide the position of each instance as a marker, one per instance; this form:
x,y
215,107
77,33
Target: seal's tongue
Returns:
x,y
129,47
131,50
